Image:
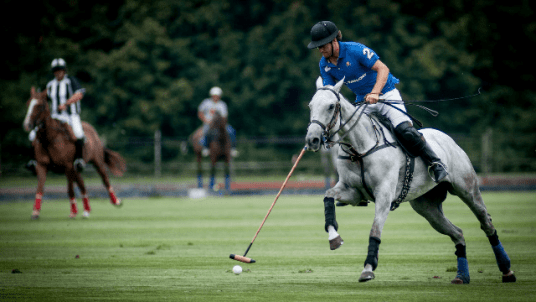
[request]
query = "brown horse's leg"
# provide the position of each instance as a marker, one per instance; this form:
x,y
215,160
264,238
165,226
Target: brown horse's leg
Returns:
x,y
106,181
41,171
81,185
70,173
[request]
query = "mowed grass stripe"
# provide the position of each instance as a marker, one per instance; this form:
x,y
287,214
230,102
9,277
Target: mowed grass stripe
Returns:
x,y
177,249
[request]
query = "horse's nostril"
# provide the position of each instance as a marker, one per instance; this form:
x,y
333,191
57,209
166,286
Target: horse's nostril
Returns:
x,y
315,141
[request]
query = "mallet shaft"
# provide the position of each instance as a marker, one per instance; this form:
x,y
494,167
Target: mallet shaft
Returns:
x,y
278,194
249,260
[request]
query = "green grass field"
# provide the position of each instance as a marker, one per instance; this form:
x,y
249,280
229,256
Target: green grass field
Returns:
x,y
177,249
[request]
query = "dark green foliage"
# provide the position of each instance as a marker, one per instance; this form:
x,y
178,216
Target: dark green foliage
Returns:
x,y
148,64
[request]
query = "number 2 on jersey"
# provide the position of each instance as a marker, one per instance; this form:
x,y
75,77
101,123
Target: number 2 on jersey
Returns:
x,y
367,52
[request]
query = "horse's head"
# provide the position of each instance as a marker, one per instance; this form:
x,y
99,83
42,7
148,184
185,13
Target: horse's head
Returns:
x,y
37,109
217,121
325,108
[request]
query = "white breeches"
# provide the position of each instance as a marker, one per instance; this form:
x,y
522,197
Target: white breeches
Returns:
x,y
396,117
76,124
73,120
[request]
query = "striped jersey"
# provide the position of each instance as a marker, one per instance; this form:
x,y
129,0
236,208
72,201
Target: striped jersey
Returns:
x,y
58,92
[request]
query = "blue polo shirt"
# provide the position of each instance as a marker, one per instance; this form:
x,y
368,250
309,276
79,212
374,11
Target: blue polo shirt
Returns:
x,y
355,63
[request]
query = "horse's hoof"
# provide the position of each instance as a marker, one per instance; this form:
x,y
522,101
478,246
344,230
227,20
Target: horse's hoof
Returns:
x,y
118,203
459,280
72,215
366,276
335,243
509,278
35,217
85,214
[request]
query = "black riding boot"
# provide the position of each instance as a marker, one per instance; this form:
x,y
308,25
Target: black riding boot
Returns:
x,y
434,163
415,143
32,163
79,163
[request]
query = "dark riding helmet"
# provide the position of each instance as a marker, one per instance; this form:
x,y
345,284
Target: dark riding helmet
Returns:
x,y
322,33
58,64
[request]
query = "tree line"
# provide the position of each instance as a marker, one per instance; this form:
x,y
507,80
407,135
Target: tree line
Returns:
x,y
146,65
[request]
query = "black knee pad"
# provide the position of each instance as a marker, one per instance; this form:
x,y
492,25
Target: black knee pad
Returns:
x,y
412,139
460,251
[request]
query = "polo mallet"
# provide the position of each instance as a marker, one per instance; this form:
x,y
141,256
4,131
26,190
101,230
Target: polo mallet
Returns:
x,y
249,260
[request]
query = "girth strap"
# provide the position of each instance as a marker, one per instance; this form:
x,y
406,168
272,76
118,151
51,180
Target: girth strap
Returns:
x,y
356,157
408,175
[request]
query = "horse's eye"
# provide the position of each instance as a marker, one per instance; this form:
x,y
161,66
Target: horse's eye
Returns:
x,y
331,107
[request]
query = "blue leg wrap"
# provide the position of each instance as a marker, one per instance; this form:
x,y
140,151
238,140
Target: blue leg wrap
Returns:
x,y
503,261
463,270
232,135
227,182
199,181
212,182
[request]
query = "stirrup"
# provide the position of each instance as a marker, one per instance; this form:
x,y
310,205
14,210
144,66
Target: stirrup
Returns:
x,y
79,164
438,167
31,166
205,152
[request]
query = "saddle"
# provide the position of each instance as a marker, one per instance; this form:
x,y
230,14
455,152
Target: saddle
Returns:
x,y
67,129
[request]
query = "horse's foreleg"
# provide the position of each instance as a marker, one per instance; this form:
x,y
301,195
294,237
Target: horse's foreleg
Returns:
x,y
80,182
343,193
212,176
371,262
331,226
227,176
199,172
41,178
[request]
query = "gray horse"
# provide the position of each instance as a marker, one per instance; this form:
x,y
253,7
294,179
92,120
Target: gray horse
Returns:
x,y
373,167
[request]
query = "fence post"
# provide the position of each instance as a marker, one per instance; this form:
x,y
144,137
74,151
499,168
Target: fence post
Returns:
x,y
487,155
157,153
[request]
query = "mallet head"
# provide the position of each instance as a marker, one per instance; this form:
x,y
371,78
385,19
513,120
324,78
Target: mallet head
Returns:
x,y
241,258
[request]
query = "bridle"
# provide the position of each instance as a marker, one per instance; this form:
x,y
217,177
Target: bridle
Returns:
x,y
39,121
337,114
326,137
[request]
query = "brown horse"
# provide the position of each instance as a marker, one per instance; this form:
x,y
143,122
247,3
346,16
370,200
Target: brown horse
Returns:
x,y
220,149
55,150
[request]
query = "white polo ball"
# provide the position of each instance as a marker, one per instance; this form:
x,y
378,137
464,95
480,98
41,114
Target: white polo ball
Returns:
x,y
237,269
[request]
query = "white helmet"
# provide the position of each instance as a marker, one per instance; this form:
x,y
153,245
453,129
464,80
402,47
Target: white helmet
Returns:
x,y
215,91
58,64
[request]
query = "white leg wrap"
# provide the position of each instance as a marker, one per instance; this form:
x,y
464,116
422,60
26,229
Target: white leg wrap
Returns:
x,y
332,233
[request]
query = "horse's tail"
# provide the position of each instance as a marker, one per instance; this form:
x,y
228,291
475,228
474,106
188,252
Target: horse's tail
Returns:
x,y
115,162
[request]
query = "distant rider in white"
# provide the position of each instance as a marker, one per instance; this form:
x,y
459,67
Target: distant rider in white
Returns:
x,y
206,111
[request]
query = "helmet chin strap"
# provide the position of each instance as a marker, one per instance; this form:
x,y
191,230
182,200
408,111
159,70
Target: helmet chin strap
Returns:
x,y
332,52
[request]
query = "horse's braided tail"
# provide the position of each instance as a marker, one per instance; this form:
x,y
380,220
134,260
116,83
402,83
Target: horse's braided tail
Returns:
x,y
115,162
